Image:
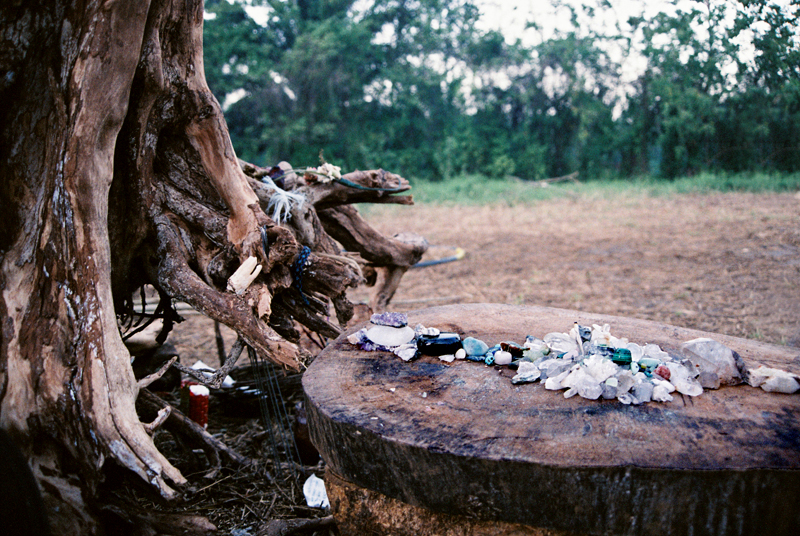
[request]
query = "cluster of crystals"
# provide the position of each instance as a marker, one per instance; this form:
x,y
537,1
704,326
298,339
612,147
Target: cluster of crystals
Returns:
x,y
588,362
593,364
390,333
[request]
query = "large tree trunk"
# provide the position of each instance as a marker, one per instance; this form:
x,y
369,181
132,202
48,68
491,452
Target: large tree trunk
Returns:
x,y
116,170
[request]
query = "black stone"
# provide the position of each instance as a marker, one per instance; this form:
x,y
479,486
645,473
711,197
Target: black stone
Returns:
x,y
444,344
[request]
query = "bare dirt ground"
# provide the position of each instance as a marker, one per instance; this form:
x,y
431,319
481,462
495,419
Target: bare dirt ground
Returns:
x,y
726,263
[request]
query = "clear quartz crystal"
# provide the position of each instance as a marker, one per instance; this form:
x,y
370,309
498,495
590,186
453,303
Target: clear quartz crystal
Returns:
x,y
389,336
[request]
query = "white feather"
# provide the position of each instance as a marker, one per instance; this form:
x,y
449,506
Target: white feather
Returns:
x,y
282,202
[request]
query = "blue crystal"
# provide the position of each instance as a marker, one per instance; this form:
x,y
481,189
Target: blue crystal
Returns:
x,y
474,347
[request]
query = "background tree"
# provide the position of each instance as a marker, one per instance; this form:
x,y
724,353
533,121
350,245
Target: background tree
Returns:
x,y
418,85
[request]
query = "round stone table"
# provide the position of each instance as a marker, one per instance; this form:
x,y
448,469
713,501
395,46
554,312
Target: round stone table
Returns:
x,y
427,447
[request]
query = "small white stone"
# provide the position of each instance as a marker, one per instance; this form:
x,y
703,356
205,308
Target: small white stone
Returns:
x,y
560,342
773,380
461,354
406,352
600,368
502,357
781,384
679,376
666,385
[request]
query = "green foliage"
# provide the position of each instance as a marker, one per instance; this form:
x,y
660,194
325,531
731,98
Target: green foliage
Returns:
x,y
414,86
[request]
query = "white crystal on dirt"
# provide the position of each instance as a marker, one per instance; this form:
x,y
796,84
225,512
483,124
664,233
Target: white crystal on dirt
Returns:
x,y
643,391
600,368
449,358
601,336
561,343
681,378
626,381
406,352
667,386
586,385
655,351
609,391
661,393
526,372
637,352
534,343
626,398
553,383
773,380
713,357
389,336
554,367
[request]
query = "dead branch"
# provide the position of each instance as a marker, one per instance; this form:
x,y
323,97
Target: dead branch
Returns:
x,y
374,186
147,380
189,431
347,226
162,416
215,380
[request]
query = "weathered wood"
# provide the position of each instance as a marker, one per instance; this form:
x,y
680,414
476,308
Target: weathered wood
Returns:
x,y
373,186
346,225
390,258
360,510
725,462
118,172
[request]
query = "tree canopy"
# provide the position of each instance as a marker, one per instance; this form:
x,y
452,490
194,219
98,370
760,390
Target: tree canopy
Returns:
x,y
419,86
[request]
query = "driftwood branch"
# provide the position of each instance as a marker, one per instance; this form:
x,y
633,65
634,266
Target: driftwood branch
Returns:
x,y
190,432
215,380
147,380
374,186
162,416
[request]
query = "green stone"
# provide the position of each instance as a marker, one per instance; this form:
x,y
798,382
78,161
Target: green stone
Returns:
x,y
622,356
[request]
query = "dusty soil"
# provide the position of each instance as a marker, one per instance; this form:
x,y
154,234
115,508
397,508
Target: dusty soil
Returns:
x,y
725,263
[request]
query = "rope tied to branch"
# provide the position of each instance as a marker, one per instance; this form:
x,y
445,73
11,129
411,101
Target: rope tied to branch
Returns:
x,y
298,269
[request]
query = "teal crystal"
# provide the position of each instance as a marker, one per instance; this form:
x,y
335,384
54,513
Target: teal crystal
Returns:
x,y
622,356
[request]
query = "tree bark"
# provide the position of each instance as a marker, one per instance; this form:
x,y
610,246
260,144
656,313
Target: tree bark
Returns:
x,y
118,171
